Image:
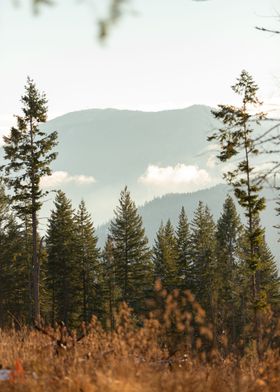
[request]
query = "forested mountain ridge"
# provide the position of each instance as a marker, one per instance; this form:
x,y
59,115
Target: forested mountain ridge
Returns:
x,y
115,147
65,275
169,206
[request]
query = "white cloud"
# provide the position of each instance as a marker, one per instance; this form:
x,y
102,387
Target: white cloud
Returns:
x,y
212,161
178,178
62,178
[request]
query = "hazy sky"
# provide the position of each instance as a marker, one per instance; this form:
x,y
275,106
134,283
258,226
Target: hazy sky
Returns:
x,y
172,54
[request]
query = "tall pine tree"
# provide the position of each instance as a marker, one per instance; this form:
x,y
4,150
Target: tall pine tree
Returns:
x,y
131,253
236,138
87,255
28,152
63,272
229,231
165,256
14,289
203,253
183,251
111,292
267,278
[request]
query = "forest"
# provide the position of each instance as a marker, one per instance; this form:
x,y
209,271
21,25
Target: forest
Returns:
x,y
204,296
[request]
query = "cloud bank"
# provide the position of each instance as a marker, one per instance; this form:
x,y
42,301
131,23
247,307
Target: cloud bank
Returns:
x,y
178,178
62,178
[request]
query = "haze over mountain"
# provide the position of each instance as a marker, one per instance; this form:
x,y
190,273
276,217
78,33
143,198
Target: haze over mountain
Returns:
x,y
153,153
168,206
101,151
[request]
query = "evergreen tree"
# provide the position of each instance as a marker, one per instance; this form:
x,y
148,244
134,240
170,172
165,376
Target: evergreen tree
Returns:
x,y
87,255
28,150
183,249
131,253
229,231
17,295
110,290
268,282
159,255
278,214
203,253
3,237
165,256
63,271
14,292
236,137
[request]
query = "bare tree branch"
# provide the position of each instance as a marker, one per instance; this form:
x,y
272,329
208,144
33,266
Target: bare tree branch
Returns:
x,y
267,30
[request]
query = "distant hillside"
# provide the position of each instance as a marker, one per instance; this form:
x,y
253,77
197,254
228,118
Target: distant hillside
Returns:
x,y
117,146
111,141
169,206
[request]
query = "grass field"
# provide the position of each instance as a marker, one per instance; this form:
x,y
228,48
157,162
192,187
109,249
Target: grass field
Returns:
x,y
164,353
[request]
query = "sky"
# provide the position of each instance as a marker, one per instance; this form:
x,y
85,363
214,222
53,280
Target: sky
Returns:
x,y
163,54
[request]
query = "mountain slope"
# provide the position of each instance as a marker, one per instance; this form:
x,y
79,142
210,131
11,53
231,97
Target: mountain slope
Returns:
x,y
117,146
169,206
113,141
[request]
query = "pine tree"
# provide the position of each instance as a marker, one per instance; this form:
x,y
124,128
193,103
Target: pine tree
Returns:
x,y
268,282
183,251
131,253
277,209
203,253
111,292
17,297
87,255
229,231
3,237
236,137
63,272
165,256
159,255
28,150
14,298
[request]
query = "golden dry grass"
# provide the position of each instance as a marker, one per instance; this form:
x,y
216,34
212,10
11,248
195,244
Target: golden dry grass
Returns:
x,y
153,357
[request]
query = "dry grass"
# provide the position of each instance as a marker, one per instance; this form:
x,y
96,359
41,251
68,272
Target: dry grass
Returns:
x,y
171,351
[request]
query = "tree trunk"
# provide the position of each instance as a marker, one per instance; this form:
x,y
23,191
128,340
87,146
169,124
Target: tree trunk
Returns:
x,y
36,269
35,258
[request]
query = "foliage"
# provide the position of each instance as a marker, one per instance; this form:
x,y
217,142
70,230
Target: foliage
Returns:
x,y
87,257
236,139
204,260
63,272
183,251
165,256
131,252
131,358
28,152
229,273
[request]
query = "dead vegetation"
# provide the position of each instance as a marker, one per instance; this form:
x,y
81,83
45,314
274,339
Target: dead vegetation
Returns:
x,y
173,349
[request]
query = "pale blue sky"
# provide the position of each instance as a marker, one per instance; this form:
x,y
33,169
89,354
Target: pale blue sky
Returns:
x,y
174,53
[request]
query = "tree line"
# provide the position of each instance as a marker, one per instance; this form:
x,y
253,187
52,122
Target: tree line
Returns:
x,y
65,276
78,279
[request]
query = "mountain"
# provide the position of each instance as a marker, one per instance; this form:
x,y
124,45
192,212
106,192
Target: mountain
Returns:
x,y
169,206
102,150
112,141
117,146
